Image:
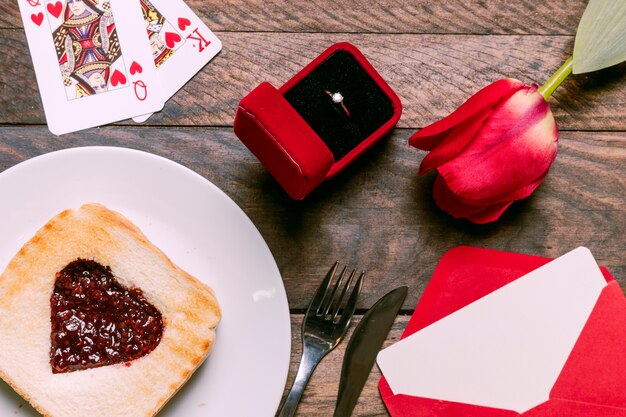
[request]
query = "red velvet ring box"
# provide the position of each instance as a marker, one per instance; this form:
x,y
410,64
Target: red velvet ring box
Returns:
x,y
304,133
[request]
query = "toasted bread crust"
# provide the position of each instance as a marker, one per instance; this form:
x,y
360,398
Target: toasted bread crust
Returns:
x,y
189,308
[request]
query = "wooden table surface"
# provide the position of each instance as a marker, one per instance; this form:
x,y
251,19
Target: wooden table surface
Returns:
x,y
378,214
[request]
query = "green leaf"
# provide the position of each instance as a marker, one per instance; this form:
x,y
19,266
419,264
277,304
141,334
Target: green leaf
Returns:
x,y
601,37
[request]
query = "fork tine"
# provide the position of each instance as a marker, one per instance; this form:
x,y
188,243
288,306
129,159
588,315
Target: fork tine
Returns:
x,y
316,302
346,316
330,301
339,300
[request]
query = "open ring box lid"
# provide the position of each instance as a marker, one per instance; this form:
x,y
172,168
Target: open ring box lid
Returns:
x,y
301,135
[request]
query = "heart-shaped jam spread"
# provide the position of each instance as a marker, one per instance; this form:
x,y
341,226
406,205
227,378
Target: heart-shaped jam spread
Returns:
x,y
96,321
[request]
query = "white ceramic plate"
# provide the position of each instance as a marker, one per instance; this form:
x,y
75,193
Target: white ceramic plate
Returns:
x,y
201,230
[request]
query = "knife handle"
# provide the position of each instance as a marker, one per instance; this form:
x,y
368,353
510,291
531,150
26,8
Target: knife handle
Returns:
x,y
311,356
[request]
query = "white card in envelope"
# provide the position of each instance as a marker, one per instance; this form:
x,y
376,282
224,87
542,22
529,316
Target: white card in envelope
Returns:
x,y
505,350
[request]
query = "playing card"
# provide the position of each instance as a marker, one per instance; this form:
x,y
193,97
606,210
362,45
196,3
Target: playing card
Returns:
x,y
181,43
91,60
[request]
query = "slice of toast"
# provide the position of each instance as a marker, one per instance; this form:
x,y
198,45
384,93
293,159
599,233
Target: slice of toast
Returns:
x,y
139,388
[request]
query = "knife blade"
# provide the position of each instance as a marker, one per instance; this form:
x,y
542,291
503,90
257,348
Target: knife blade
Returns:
x,y
364,345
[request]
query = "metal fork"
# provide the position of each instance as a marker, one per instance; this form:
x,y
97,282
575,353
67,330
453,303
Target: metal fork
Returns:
x,y
324,326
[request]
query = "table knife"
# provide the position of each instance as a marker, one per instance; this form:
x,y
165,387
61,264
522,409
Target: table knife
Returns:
x,y
364,345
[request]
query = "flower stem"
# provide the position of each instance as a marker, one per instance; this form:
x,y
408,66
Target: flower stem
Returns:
x,y
557,78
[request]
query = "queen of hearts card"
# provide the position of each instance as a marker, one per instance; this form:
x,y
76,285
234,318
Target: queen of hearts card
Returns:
x,y
92,61
87,48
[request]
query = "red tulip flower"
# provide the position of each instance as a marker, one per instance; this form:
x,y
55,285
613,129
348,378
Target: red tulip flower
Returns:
x,y
493,150
498,146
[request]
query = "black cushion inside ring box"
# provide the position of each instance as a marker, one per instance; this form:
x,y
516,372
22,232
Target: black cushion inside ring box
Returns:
x,y
367,104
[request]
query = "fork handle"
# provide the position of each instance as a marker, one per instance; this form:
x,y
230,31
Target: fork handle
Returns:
x,y
311,356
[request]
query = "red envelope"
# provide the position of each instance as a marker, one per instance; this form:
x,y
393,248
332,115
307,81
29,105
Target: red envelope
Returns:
x,y
591,384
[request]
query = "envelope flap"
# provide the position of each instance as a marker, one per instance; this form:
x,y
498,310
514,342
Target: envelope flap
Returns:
x,y
595,370
465,274
404,405
565,408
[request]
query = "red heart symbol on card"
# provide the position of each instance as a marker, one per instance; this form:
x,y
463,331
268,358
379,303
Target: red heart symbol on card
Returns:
x,y
183,22
171,39
118,78
135,68
55,9
37,18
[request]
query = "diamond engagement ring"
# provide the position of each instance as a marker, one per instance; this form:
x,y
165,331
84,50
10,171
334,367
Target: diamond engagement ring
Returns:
x,y
337,98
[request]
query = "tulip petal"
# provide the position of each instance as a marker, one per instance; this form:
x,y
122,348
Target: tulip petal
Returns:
x,y
515,147
450,203
489,214
485,99
455,141
513,195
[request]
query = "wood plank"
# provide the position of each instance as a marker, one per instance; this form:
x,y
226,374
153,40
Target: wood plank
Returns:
x,y
432,74
381,16
320,395
379,214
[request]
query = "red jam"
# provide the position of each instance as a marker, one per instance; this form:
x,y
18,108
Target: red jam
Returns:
x,y
96,321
